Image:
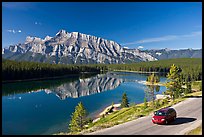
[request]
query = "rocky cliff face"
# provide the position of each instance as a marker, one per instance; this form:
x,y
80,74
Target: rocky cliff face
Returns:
x,y
73,48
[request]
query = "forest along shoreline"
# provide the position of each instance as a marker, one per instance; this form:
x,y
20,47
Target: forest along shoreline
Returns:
x,y
51,78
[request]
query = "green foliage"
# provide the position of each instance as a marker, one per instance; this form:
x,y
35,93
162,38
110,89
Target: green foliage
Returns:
x,y
174,84
125,102
157,104
78,118
165,101
188,88
153,78
150,89
22,70
197,85
200,86
145,103
14,70
191,67
157,88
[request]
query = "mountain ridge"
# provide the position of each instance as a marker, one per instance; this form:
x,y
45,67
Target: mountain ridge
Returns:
x,y
80,48
73,48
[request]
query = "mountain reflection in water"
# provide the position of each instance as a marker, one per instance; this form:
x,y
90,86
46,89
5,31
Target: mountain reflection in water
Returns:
x,y
73,87
85,87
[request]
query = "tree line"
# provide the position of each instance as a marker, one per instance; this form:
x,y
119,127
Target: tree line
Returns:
x,y
21,70
191,68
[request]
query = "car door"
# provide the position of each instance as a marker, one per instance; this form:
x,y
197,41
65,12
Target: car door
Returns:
x,y
173,113
169,115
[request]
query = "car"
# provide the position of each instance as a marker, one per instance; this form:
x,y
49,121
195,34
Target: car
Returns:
x,y
164,116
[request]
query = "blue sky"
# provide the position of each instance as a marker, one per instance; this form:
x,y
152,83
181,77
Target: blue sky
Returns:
x,y
148,25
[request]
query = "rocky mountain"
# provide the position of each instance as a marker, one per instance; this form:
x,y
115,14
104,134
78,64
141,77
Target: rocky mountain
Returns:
x,y
182,53
73,48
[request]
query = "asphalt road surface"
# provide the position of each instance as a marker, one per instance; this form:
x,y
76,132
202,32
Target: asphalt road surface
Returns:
x,y
189,115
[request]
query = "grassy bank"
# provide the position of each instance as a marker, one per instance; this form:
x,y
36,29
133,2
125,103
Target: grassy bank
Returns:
x,y
197,85
131,113
196,131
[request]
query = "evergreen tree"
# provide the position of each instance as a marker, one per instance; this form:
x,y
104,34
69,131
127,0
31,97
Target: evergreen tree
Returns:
x,y
174,84
145,103
125,102
78,118
150,89
153,79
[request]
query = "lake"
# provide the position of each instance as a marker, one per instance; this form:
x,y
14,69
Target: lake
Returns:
x,y
45,107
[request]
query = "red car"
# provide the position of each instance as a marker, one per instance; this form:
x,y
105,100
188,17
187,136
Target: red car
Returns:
x,y
164,116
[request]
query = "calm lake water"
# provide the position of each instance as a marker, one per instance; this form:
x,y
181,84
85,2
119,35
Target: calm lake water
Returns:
x,y
45,107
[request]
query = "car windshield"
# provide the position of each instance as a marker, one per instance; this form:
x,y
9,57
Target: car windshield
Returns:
x,y
159,113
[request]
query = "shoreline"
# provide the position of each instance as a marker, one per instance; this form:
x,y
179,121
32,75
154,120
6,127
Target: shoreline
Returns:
x,y
36,79
103,111
155,84
48,78
135,71
64,76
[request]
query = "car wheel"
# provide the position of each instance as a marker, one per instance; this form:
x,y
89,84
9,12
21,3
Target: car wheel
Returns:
x,y
166,122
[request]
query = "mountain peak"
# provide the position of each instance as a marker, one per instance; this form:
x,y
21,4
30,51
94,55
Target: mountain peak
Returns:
x,y
62,32
47,38
76,48
29,39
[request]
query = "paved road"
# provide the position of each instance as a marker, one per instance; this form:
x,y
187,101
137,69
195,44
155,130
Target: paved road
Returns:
x,y
189,115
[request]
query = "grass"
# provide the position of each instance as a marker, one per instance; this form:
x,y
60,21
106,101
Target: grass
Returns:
x,y
131,113
197,85
196,131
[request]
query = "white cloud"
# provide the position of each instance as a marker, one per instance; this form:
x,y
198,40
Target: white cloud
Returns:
x,y
165,38
13,31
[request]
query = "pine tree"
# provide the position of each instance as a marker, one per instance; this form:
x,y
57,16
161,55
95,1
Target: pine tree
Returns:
x,y
78,118
125,102
150,89
145,103
153,79
174,84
